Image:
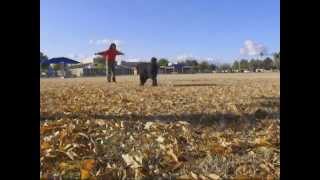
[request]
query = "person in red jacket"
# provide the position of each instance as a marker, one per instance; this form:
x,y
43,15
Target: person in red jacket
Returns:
x,y
110,57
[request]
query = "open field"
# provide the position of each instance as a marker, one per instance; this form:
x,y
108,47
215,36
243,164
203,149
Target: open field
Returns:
x,y
227,128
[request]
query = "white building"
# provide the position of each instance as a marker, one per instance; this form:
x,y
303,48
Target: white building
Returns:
x,y
77,69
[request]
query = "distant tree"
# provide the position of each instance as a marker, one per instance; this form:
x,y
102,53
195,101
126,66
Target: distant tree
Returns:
x,y
56,67
267,63
213,67
225,67
100,66
191,62
261,54
253,65
258,64
163,62
43,57
99,62
195,68
204,65
276,60
235,65
244,64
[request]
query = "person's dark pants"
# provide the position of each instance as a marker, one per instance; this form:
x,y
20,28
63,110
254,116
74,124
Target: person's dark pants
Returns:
x,y
111,70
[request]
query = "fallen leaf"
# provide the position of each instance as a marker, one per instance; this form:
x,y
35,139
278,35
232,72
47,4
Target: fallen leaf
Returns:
x,y
65,166
67,146
138,159
176,165
100,122
86,168
88,164
262,142
213,176
193,175
184,129
172,155
69,154
184,123
184,177
242,177
83,135
44,145
56,133
148,125
131,138
218,149
264,167
202,177
160,139
85,174
130,161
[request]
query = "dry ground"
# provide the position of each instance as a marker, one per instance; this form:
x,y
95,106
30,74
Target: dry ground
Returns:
x,y
227,129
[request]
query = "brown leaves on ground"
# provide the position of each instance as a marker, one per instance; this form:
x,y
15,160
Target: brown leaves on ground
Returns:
x,y
86,168
94,130
192,175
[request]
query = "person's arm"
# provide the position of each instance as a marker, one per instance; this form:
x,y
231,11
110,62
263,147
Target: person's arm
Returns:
x,y
100,53
120,53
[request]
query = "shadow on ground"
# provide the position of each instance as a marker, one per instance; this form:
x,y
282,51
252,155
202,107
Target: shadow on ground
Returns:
x,y
263,104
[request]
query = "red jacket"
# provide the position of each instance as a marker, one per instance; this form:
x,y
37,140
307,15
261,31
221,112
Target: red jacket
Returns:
x,y
110,54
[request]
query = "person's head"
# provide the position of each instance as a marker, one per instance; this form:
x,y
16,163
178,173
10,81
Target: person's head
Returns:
x,y
112,46
153,60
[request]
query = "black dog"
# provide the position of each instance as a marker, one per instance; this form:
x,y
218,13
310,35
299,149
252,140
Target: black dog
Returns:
x,y
148,70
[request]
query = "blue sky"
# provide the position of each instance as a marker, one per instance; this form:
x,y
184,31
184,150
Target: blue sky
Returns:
x,y
162,28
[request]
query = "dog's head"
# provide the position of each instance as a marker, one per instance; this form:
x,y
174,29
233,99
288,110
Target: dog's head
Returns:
x,y
153,60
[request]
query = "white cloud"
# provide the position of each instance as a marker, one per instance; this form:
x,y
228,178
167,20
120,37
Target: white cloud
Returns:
x,y
252,48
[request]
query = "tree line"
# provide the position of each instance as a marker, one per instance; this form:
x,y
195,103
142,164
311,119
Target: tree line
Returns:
x,y
45,67
241,65
267,63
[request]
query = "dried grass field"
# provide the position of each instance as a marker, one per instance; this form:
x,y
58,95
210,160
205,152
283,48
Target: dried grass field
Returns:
x,y
200,126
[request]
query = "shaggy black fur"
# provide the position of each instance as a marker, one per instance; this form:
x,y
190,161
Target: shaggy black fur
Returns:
x,y
148,70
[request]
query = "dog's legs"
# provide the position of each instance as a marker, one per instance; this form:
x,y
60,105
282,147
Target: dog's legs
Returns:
x,y
142,80
154,82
